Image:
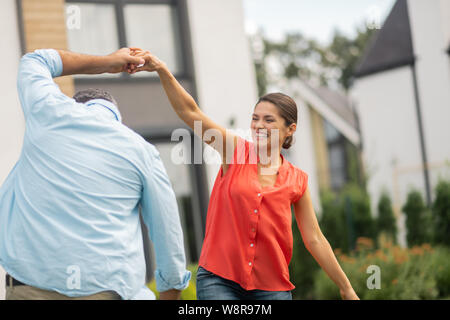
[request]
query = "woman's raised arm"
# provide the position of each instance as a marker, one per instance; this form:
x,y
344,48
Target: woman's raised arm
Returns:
x,y
187,109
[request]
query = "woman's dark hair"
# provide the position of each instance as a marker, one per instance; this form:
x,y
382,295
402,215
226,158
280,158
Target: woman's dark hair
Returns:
x,y
85,95
286,107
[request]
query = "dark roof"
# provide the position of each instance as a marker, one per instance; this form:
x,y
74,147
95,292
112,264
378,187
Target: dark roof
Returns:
x,y
336,101
391,47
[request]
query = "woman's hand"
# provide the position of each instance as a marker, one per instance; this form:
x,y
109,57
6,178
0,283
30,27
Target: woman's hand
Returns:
x,y
123,60
348,294
152,63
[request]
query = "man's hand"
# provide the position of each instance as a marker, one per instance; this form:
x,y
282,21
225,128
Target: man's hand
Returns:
x,y
124,60
152,63
120,61
172,294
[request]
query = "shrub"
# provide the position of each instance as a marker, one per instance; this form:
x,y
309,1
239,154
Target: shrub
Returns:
x,y
346,216
357,205
332,221
302,268
441,213
385,222
417,219
420,272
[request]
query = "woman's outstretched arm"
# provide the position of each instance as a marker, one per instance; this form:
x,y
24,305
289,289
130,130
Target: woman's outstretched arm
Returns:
x,y
186,107
319,247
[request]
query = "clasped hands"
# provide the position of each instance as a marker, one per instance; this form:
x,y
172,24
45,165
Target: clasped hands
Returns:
x,y
132,60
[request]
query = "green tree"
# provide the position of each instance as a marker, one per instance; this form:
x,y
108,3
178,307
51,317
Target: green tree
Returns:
x,y
332,221
304,58
441,213
417,219
344,53
358,205
346,216
386,222
302,267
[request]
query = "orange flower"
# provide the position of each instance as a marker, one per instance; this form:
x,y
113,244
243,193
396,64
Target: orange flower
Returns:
x,y
416,251
394,281
364,243
380,255
400,255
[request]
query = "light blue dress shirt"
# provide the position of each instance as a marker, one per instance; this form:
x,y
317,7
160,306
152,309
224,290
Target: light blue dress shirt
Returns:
x,y
69,209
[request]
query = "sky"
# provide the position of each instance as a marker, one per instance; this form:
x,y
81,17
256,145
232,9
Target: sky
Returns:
x,y
315,19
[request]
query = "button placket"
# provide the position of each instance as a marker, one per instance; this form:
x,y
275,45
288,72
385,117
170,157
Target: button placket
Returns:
x,y
254,219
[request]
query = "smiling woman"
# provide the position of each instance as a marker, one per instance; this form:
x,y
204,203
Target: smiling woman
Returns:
x,y
248,241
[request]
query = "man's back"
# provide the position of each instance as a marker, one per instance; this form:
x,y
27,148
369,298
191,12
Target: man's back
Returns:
x,y
69,217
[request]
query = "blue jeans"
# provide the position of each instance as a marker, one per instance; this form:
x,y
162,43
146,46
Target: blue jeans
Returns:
x,y
213,287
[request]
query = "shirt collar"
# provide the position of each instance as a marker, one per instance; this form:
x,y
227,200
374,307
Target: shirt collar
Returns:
x,y
106,104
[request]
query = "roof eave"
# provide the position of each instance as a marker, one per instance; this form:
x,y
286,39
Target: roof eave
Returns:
x,y
387,67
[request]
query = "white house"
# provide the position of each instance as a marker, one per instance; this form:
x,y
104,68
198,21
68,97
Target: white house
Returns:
x,y
402,95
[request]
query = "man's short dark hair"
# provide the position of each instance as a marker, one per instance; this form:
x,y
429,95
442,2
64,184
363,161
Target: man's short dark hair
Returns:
x,y
84,96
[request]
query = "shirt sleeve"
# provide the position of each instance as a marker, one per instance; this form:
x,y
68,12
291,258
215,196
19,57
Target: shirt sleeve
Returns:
x,y
160,214
36,88
301,186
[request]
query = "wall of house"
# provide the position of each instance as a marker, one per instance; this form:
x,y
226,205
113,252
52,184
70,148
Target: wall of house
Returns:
x,y
445,20
225,77
302,153
12,124
44,26
430,29
391,149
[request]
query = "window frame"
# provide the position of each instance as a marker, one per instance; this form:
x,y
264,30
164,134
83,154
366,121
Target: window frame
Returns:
x,y
185,73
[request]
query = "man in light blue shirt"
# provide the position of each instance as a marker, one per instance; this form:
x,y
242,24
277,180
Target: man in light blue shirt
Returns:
x,y
69,209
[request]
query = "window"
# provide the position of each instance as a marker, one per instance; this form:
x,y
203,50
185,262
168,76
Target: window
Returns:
x,y
155,28
95,32
337,156
100,27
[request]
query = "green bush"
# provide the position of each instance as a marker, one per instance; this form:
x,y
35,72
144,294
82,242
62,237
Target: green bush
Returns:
x,y
441,214
346,216
418,222
417,273
357,205
189,293
385,222
332,222
302,268
442,270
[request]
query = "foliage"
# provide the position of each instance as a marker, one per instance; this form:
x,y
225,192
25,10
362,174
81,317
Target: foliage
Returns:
x,y
417,219
344,53
300,57
441,213
386,222
302,268
346,216
417,273
189,293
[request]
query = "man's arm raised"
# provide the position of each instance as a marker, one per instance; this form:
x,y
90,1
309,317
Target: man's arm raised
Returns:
x,y
119,61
